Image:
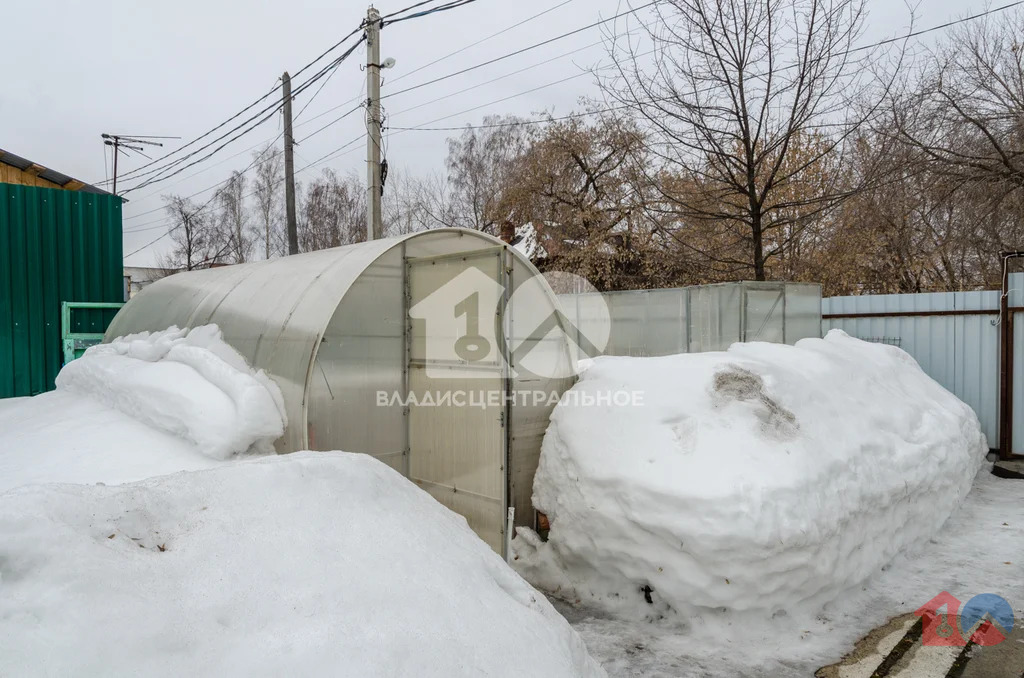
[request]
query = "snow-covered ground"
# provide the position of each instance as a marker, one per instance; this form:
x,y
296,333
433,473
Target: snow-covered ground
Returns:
x,y
61,437
766,478
306,564
225,563
725,522
141,406
813,481
978,550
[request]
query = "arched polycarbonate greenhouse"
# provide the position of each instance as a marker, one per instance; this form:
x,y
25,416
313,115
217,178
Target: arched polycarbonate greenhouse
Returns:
x,y
440,353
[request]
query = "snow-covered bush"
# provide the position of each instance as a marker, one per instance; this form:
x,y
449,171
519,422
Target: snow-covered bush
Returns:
x,y
767,477
322,564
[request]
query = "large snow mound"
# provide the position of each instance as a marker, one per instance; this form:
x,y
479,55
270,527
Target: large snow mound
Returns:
x,y
189,384
62,437
767,477
309,564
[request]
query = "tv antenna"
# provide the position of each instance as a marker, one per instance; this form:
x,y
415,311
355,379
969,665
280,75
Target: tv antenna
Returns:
x,y
122,143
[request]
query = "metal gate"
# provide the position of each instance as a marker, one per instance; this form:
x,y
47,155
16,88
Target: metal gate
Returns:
x,y
457,380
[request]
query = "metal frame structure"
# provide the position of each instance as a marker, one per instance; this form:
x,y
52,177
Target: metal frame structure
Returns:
x,y
73,344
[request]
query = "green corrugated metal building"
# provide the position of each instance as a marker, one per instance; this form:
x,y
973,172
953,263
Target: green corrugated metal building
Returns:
x,y
56,245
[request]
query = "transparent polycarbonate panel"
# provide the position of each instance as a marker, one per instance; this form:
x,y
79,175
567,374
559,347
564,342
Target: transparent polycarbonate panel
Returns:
x,y
361,355
591,309
454,311
628,311
665,326
803,311
764,308
714,323
272,312
457,386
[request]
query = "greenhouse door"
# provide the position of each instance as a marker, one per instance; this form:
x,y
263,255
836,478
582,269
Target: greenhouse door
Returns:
x,y
457,378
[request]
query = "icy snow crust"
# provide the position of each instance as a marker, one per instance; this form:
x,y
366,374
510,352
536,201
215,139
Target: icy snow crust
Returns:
x,y
308,564
189,384
767,477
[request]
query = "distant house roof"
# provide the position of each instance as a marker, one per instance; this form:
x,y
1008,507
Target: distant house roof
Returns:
x,y
53,176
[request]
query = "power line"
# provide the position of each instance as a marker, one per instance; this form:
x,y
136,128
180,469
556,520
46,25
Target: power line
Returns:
x,y
498,101
500,77
332,122
200,137
139,227
135,173
271,140
880,43
521,51
481,40
410,7
272,110
422,127
247,195
433,10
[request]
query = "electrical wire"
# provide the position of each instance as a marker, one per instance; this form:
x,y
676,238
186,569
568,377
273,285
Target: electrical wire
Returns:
x,y
433,10
481,41
200,137
335,153
410,7
862,48
248,195
134,174
462,49
332,122
163,175
521,51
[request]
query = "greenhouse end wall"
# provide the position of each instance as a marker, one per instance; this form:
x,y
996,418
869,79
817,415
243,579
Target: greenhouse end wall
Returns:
x,y
700,318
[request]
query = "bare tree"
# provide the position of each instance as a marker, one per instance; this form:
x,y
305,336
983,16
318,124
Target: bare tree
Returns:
x,y
410,203
966,113
478,163
233,217
734,91
333,212
963,118
196,241
267,187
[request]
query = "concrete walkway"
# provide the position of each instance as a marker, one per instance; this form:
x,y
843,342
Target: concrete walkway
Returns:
x,y
895,651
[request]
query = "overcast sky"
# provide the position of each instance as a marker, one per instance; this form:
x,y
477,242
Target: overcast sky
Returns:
x,y
148,68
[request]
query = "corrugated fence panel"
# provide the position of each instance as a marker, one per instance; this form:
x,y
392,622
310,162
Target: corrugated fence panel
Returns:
x,y
55,246
961,352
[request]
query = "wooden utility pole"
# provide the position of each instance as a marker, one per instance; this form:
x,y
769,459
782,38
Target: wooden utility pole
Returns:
x,y
289,166
374,187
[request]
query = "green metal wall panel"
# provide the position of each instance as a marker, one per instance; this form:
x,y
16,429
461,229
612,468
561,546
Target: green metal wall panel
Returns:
x,y
55,246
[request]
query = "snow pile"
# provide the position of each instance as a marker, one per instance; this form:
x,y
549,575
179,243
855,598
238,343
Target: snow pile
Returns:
x,y
767,477
61,437
308,564
187,383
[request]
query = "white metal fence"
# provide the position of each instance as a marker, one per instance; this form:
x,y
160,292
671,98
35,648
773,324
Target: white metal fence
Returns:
x,y
700,318
954,336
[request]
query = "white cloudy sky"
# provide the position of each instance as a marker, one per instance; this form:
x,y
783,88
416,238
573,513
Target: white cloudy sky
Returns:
x,y
178,68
